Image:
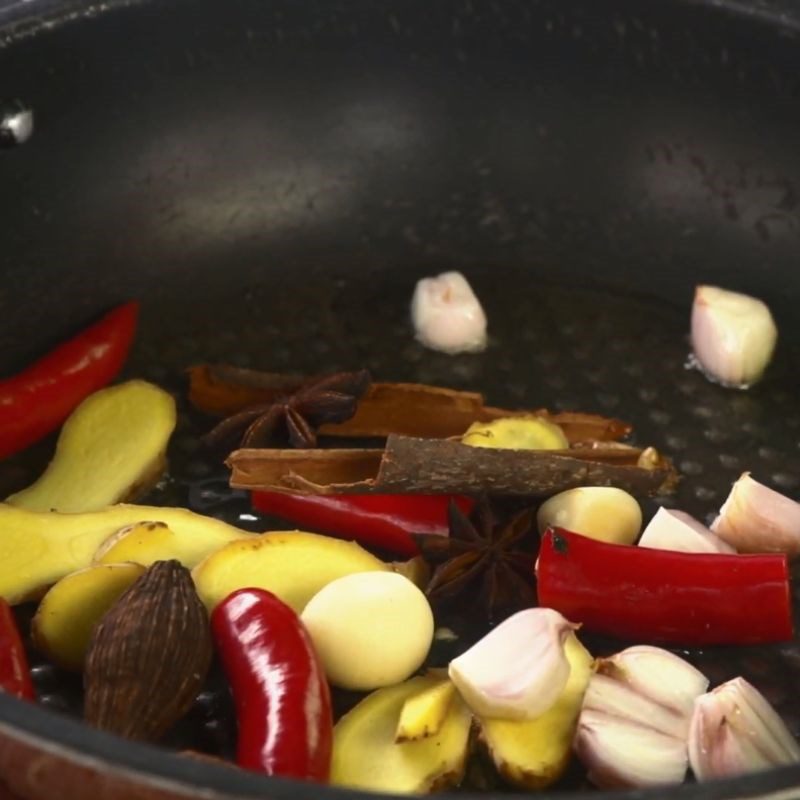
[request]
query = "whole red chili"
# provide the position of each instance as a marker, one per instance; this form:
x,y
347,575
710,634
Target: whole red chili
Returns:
x,y
15,677
283,705
37,400
658,595
376,520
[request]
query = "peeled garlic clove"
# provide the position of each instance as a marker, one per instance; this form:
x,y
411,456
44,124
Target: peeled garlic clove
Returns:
x,y
516,433
518,670
733,335
734,730
599,512
757,519
620,754
612,697
447,315
676,530
658,675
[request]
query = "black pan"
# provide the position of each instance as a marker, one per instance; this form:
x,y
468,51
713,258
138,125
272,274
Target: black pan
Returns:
x,y
272,177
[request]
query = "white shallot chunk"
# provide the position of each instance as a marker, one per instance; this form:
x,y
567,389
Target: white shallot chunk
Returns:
x,y
734,731
447,315
676,530
757,519
518,670
733,336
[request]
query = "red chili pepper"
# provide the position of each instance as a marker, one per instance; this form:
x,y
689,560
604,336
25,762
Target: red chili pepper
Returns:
x,y
377,520
283,705
659,595
37,400
15,677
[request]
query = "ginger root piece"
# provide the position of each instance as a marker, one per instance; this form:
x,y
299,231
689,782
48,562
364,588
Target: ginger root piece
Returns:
x,y
63,625
533,754
424,714
293,565
147,542
112,448
37,548
367,757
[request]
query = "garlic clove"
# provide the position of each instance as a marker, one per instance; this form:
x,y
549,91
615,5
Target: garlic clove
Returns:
x,y
447,316
620,754
676,530
518,670
614,698
733,335
657,674
604,513
757,519
734,730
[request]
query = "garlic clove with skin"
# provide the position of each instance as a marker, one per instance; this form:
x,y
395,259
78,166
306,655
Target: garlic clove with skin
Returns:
x,y
447,316
519,669
757,519
733,336
619,754
655,673
734,730
676,530
635,718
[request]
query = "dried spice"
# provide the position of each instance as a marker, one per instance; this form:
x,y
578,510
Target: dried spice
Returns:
x,y
297,412
149,656
483,565
405,409
413,465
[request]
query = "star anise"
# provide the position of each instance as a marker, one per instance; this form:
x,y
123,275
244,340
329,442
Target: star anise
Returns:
x,y
482,565
320,400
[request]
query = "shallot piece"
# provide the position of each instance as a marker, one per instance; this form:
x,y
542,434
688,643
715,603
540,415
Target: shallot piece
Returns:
x,y
757,519
620,755
657,674
447,315
518,670
733,336
676,530
735,730
635,718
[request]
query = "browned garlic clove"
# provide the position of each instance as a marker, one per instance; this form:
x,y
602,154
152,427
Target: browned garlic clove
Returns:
x,y
734,730
619,754
676,530
447,316
634,722
757,519
518,670
733,336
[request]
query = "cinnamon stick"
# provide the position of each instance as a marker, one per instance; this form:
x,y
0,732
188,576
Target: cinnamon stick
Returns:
x,y
404,409
410,464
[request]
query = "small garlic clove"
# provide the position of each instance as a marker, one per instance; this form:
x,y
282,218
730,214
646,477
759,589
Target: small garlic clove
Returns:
x,y
733,335
518,670
734,730
616,699
604,513
658,675
447,316
619,754
676,530
757,519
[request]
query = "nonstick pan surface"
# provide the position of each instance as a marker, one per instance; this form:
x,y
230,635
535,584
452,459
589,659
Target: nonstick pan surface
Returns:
x,y
271,179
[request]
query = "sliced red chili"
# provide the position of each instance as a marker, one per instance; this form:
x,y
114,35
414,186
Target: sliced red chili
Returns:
x,y
15,677
37,400
640,593
283,706
376,520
